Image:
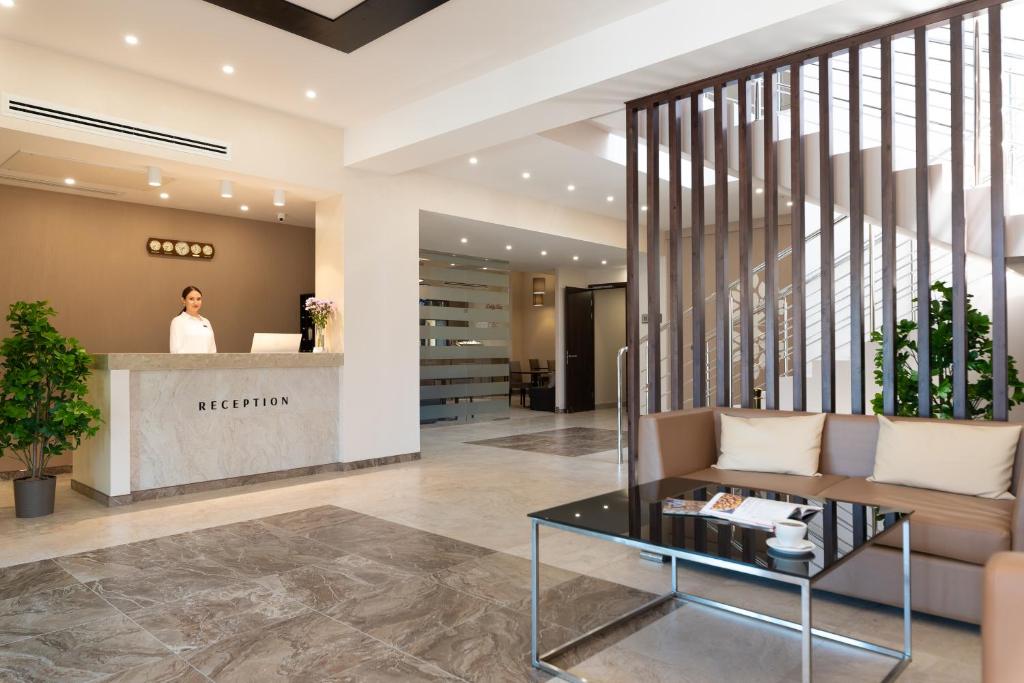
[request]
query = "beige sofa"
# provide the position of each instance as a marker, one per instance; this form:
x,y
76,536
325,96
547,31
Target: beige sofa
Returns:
x,y
952,536
1003,620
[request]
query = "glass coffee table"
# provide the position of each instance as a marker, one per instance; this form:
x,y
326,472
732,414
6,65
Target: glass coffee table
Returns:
x,y
633,517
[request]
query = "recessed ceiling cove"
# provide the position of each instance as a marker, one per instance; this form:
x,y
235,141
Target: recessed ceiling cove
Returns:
x,y
344,25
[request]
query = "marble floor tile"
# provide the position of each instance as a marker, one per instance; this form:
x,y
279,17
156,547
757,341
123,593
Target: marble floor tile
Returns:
x,y
343,580
34,614
82,653
353,535
175,581
396,667
503,579
130,559
570,441
205,618
423,552
584,603
171,669
32,577
309,647
304,521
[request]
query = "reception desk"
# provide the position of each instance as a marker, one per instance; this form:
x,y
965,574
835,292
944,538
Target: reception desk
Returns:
x,y
183,423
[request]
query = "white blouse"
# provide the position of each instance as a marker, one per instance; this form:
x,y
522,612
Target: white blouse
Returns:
x,y
192,335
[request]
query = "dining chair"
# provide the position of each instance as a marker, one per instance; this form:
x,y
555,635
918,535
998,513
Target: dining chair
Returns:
x,y
516,382
534,364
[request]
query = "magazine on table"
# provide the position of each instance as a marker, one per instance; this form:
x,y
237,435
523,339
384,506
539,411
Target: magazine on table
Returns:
x,y
745,510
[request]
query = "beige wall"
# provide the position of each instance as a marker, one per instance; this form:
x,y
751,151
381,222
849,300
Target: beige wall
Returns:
x,y
532,329
609,337
88,258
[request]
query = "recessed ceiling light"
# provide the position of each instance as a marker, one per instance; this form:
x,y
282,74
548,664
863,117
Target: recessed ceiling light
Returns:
x,y
526,175
69,181
311,94
164,195
227,189
131,39
228,69
508,247
571,188
604,262
7,3
543,253
609,198
452,265
464,240
474,161
643,208
789,203
759,191
575,258
244,207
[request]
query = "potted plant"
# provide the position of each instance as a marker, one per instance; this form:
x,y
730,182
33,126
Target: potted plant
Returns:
x,y
979,362
43,411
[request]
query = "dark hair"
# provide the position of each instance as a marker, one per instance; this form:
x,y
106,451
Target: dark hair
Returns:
x,y
188,290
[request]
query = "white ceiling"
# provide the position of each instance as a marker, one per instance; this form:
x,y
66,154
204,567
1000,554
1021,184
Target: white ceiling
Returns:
x,y
332,9
187,42
441,232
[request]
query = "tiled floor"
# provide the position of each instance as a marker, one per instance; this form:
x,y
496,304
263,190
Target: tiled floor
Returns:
x,y
569,441
258,600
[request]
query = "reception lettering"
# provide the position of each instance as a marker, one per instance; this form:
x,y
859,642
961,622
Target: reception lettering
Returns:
x,y
237,403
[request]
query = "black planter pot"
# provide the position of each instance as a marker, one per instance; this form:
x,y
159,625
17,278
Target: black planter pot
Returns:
x,y
34,497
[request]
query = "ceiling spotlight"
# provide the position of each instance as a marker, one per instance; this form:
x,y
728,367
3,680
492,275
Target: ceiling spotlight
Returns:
x,y
571,188
789,203
452,265
278,197
604,262
759,191
244,207
164,195
643,208
228,69
131,39
7,3
464,240
543,253
575,258
227,189
526,175
473,161
484,268
609,198
153,177
508,247
311,94
69,181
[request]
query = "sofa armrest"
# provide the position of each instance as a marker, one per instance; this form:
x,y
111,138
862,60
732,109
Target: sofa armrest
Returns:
x,y
1002,619
1017,523
675,444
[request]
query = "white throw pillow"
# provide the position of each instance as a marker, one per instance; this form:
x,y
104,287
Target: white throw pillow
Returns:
x,y
783,445
973,460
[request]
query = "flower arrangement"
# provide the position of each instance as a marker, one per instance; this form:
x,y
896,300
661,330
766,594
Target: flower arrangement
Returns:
x,y
321,310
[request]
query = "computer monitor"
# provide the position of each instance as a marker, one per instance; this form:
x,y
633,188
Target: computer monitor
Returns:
x,y
267,342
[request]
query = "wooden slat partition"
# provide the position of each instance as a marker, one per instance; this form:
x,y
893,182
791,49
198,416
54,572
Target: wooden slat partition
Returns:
x,y
632,288
746,230
958,218
1000,374
722,322
653,262
888,238
827,239
857,365
677,340
799,304
699,380
771,248
924,278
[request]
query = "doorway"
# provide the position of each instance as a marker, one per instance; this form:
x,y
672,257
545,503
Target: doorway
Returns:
x,y
579,349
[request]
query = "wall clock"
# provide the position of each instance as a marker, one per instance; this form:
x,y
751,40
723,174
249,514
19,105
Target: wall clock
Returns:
x,y
161,246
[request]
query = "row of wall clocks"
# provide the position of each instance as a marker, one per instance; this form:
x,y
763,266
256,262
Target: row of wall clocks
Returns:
x,y
161,246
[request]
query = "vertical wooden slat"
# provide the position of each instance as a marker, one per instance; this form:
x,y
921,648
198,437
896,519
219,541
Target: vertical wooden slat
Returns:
x,y
1000,370
632,287
697,250
746,230
722,323
771,248
827,239
653,262
924,374
857,368
958,227
799,352
888,237
677,342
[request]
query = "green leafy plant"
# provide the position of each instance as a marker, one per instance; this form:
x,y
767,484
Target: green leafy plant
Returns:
x,y
43,411
979,361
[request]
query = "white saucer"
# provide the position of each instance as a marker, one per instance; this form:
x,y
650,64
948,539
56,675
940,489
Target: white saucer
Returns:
x,y
801,548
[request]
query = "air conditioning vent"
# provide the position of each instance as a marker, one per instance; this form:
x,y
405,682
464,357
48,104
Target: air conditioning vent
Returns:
x,y
47,113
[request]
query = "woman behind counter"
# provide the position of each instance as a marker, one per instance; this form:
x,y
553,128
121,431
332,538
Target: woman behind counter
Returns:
x,y
191,332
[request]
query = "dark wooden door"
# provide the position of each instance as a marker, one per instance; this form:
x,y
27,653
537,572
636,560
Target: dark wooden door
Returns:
x,y
579,349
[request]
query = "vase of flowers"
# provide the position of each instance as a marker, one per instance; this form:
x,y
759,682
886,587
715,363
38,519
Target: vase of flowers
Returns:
x,y
321,311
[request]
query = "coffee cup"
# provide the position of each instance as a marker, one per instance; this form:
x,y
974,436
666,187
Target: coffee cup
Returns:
x,y
790,532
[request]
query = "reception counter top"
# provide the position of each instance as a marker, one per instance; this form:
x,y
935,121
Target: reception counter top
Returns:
x,y
177,424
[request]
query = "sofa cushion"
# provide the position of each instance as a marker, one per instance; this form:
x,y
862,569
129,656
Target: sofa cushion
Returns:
x,y
792,484
973,460
783,445
965,528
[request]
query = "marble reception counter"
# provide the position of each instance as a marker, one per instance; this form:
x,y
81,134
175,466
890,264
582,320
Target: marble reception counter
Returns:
x,y
191,422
